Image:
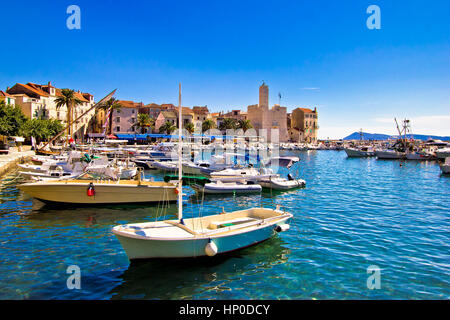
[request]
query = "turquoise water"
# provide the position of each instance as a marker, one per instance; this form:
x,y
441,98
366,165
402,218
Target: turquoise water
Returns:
x,y
353,213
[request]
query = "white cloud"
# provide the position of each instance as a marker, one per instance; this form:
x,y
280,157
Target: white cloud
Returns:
x,y
311,88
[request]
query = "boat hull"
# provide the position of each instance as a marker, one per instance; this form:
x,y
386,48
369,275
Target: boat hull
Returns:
x,y
104,193
389,155
445,169
355,153
195,247
284,185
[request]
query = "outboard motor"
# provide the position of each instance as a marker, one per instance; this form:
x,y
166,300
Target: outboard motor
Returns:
x,y
290,177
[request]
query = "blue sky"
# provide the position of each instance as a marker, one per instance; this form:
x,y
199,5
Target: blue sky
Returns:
x,y
316,53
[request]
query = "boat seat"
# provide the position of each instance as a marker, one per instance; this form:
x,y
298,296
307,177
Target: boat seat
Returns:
x,y
228,223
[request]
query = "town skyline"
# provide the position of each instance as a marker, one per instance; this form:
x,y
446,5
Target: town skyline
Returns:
x,y
356,77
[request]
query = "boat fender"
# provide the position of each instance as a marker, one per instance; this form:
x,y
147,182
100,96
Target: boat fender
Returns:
x,y
211,248
282,227
90,190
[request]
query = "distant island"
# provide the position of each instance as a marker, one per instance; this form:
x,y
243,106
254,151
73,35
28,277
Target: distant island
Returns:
x,y
379,136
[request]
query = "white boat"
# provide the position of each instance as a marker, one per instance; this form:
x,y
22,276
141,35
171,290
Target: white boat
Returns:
x,y
360,152
279,183
235,173
445,167
195,168
169,166
202,236
219,187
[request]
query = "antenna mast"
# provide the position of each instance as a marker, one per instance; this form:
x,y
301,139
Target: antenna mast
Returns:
x,y
180,150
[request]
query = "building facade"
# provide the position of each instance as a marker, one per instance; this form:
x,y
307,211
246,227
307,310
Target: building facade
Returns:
x,y
38,101
124,119
304,125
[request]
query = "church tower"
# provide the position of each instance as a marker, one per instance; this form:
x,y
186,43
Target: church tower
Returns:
x,y
264,96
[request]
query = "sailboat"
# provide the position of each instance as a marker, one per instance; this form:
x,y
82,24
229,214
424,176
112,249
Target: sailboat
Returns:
x,y
202,236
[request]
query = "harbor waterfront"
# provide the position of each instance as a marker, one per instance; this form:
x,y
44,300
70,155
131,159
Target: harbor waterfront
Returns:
x,y
354,213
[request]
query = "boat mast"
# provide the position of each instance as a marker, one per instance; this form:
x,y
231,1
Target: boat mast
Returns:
x,y
180,149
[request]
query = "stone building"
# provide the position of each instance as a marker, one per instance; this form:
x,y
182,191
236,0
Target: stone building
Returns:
x,y
304,125
263,117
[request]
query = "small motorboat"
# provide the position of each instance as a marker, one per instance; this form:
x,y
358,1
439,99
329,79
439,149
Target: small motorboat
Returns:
x,y
219,187
279,183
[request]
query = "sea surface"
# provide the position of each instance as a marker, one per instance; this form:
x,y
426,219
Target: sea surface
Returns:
x,y
353,214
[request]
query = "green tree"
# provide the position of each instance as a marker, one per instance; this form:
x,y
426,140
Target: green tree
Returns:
x,y
70,101
144,121
41,129
11,119
207,125
167,127
112,104
189,127
228,123
244,125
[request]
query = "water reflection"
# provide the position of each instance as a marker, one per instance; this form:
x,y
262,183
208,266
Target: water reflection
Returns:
x,y
186,279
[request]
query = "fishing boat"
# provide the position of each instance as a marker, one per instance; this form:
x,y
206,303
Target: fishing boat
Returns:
x,y
201,236
92,188
220,187
361,152
420,155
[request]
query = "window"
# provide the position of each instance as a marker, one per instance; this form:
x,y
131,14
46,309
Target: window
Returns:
x,y
118,111
132,111
118,119
118,129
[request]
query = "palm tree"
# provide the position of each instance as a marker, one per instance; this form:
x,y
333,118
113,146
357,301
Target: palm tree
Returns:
x,y
244,125
228,123
167,127
144,121
207,125
69,100
112,104
190,127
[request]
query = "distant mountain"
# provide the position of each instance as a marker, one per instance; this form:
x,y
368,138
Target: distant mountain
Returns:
x,y
379,136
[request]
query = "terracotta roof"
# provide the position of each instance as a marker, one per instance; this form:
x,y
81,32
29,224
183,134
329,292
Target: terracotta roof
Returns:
x,y
44,91
27,89
78,95
306,110
4,94
168,114
201,110
129,104
184,110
